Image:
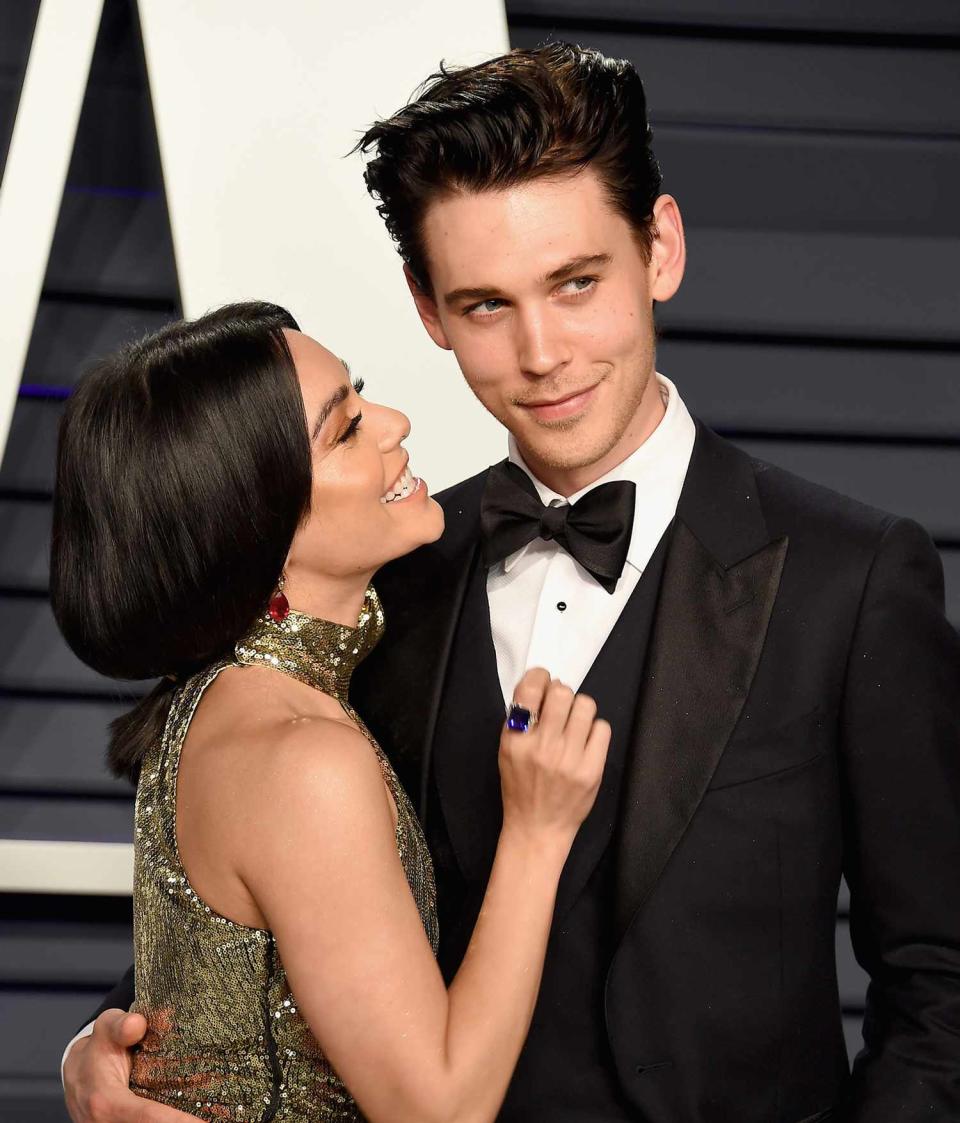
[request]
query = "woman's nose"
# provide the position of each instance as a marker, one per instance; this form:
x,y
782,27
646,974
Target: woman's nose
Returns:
x,y
393,427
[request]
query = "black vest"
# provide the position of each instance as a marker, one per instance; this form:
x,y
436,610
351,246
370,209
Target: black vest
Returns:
x,y
566,1072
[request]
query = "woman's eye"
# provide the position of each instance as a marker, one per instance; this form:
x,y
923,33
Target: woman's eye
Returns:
x,y
358,385
351,429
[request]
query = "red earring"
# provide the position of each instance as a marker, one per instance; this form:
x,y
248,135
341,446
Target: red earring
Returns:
x,y
279,606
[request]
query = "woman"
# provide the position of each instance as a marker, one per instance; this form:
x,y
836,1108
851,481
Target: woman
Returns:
x,y
223,498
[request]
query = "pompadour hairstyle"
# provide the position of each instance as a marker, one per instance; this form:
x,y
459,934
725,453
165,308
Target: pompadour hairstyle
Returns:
x,y
549,111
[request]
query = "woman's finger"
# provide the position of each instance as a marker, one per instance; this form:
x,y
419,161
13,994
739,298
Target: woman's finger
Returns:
x,y
580,722
531,689
553,716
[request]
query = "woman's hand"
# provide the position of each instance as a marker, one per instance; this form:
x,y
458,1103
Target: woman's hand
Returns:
x,y
550,775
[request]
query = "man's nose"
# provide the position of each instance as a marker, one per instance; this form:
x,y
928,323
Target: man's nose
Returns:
x,y
541,347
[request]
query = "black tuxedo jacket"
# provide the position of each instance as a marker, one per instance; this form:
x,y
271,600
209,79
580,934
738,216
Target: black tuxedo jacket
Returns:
x,y
799,719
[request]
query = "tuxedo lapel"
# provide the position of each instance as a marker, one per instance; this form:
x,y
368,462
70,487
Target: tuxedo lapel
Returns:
x,y
719,586
467,735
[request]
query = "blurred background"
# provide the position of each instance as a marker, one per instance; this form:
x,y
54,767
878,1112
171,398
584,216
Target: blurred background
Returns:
x,y
814,146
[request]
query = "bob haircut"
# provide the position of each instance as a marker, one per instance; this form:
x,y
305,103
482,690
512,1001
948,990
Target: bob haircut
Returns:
x,y
549,111
183,472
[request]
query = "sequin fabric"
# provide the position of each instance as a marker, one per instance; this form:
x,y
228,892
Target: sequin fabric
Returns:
x,y
225,1038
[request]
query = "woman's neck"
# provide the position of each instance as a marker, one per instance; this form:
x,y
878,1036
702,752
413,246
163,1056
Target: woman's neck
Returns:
x,y
337,599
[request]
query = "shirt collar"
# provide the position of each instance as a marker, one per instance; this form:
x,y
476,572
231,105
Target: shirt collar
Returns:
x,y
657,467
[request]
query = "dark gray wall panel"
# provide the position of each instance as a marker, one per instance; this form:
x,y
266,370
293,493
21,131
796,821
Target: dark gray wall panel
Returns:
x,y
853,1034
30,456
850,975
57,748
831,285
24,544
34,656
843,898
115,146
66,819
26,1100
914,481
782,85
19,18
112,245
64,953
68,337
793,182
796,389
877,17
32,1100
36,1025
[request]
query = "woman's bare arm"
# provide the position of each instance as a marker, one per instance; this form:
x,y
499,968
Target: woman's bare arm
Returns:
x,y
332,889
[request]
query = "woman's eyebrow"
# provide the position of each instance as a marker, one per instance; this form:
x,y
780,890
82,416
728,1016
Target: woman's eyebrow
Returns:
x,y
339,395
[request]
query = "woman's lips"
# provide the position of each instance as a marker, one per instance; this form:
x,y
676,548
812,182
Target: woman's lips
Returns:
x,y
563,407
419,492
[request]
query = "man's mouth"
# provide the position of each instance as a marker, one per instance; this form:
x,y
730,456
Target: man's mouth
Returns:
x,y
555,409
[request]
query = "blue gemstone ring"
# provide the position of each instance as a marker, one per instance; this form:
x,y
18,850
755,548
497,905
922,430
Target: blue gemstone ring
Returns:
x,y
520,719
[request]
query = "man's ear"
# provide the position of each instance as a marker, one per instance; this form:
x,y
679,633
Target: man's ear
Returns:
x,y
427,310
669,249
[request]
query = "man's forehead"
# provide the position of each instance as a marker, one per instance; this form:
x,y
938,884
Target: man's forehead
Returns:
x,y
531,230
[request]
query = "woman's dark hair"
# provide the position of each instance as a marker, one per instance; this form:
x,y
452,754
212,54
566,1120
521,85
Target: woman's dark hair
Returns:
x,y
183,471
528,114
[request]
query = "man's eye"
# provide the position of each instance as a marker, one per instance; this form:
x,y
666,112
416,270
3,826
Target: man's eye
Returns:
x,y
485,308
578,284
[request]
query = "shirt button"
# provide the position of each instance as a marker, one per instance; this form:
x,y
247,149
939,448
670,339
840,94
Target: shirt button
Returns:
x,y
561,606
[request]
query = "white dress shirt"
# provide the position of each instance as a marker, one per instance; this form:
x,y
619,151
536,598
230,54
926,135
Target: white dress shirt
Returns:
x,y
546,610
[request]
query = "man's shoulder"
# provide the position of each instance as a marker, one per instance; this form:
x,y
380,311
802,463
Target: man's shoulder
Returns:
x,y
808,511
729,489
462,499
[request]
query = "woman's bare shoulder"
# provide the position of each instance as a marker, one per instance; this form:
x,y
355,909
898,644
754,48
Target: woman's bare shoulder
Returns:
x,y
266,745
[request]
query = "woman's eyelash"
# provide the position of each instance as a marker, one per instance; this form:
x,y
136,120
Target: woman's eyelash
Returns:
x,y
351,428
358,385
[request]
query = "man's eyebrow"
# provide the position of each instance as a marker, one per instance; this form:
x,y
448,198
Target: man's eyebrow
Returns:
x,y
339,395
576,266
457,295
569,268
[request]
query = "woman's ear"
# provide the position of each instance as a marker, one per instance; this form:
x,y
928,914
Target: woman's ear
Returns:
x,y
427,310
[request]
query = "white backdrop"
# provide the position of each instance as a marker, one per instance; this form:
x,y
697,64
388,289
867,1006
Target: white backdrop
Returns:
x,y
257,105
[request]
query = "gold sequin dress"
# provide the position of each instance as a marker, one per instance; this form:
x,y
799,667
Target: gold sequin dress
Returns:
x,y
226,1039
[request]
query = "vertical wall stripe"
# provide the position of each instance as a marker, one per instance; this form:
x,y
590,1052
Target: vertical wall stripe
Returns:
x,y
36,169
257,106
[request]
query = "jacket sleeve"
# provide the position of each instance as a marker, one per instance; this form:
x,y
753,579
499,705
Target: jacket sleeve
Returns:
x,y
901,775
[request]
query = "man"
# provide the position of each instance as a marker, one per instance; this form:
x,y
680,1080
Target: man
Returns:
x,y
783,686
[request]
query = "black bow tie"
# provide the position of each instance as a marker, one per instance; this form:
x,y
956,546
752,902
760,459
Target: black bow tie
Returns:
x,y
595,530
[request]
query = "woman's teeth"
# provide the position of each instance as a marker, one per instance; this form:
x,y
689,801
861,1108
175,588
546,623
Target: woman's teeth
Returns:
x,y
404,486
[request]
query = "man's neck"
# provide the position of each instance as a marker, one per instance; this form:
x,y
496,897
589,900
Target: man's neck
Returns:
x,y
568,481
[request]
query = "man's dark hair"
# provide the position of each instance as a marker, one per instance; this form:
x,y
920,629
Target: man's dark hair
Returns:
x,y
183,471
528,114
